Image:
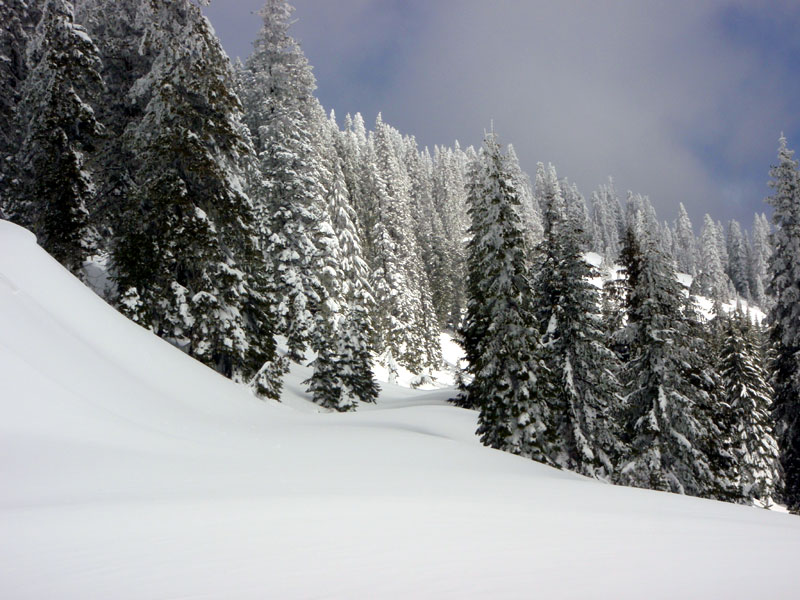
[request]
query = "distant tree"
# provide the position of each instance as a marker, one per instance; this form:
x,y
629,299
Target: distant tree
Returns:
x,y
760,251
711,280
531,213
449,190
577,212
406,324
784,318
343,373
685,243
738,267
606,213
546,191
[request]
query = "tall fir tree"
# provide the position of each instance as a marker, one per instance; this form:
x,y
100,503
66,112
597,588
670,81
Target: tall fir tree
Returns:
x,y
185,256
18,18
289,197
406,321
128,47
498,335
57,115
747,391
784,318
342,336
577,383
449,191
531,212
668,393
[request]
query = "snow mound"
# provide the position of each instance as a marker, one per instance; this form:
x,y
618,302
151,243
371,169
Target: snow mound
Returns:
x,y
130,471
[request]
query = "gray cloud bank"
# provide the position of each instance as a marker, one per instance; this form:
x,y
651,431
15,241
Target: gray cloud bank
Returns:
x,y
661,95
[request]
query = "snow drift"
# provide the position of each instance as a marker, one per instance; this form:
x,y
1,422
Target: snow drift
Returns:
x,y
130,471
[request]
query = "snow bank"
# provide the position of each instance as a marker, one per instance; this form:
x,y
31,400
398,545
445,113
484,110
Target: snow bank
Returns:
x,y
130,471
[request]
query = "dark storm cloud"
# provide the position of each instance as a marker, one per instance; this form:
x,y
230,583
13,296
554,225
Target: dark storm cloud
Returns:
x,y
680,100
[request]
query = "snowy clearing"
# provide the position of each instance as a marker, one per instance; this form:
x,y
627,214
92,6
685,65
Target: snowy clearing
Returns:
x,y
131,471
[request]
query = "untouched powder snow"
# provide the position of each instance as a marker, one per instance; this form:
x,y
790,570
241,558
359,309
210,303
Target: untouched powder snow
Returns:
x,y
129,471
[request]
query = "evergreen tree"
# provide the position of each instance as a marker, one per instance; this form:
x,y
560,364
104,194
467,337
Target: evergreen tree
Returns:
x,y
784,318
577,212
498,338
60,128
449,191
760,252
547,191
531,213
711,280
606,213
406,321
185,258
714,415
738,268
17,21
128,46
684,243
289,196
429,231
667,388
748,393
578,383
343,372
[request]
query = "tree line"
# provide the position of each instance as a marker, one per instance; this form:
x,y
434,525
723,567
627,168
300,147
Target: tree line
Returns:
x,y
235,217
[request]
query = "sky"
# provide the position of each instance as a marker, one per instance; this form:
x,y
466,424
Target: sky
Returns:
x,y
683,101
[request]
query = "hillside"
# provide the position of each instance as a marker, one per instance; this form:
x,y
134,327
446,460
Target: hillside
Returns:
x,y
131,471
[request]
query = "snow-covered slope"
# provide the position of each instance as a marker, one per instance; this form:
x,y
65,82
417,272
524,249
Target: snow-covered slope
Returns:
x,y
127,470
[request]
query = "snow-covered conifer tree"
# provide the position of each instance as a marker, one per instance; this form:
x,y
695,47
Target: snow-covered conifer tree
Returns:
x,y
60,130
289,197
498,335
449,191
684,242
343,373
577,387
749,395
738,251
606,213
18,18
667,394
784,318
185,256
761,249
429,231
406,322
128,47
531,213
711,280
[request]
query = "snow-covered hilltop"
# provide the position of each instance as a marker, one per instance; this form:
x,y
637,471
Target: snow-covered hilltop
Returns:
x,y
132,471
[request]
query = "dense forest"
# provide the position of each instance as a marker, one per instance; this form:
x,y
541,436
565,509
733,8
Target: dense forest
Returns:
x,y
245,225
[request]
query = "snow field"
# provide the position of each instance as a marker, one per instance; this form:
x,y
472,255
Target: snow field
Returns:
x,y
129,470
